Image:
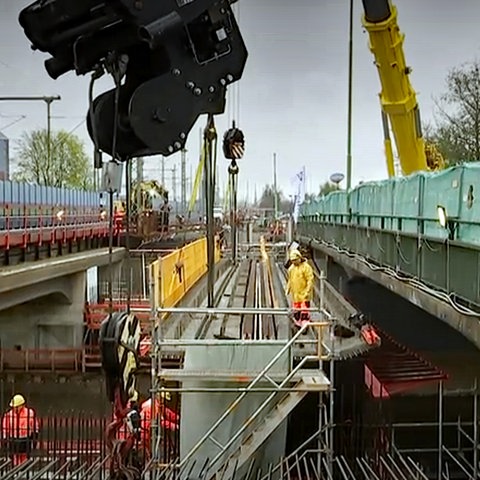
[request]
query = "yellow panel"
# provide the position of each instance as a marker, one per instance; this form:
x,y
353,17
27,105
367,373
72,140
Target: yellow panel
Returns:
x,y
176,273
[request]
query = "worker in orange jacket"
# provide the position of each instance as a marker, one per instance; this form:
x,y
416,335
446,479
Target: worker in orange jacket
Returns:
x,y
169,419
20,428
300,286
118,218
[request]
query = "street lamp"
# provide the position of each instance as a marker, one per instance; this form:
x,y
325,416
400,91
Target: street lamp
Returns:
x,y
48,101
442,216
337,178
349,105
446,222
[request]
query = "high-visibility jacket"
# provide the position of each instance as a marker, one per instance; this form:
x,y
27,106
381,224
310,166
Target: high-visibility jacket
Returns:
x,y
168,418
20,423
300,282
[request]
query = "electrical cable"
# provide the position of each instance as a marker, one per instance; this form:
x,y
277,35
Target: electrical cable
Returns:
x,y
445,297
128,183
116,74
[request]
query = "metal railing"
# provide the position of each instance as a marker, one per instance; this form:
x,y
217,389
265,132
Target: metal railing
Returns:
x,y
16,230
262,375
95,313
52,360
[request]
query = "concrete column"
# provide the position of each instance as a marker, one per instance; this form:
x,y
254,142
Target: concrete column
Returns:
x,y
52,321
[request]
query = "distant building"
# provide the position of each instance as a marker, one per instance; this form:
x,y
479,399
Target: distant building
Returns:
x,y
4,158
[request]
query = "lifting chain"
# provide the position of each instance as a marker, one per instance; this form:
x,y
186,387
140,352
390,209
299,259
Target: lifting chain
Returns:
x,y
233,149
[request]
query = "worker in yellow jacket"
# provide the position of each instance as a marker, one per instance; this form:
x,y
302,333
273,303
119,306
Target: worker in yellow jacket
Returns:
x,y
300,286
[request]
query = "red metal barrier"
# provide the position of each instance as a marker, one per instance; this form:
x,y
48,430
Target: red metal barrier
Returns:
x,y
56,360
96,313
24,230
393,368
49,360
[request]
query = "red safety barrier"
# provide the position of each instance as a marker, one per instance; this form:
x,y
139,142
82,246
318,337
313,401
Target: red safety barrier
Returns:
x,y
58,360
50,228
96,313
50,360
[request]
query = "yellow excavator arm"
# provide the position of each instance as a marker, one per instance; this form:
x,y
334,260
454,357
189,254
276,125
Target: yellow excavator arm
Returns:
x,y
397,97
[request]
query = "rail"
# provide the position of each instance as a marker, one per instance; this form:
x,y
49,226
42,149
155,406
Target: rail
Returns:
x,y
58,360
23,230
95,313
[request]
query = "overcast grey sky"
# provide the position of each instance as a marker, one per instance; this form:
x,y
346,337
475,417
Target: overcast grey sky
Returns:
x,y
293,96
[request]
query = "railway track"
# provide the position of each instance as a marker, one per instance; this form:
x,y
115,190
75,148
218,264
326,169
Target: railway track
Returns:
x,y
250,284
259,293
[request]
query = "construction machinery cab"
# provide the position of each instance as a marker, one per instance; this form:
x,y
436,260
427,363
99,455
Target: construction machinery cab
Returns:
x,y
150,208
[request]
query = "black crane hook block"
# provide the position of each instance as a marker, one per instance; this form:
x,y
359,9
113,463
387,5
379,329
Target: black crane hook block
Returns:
x,y
179,56
119,342
233,144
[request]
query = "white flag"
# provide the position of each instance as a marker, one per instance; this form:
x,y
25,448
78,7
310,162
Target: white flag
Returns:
x,y
299,194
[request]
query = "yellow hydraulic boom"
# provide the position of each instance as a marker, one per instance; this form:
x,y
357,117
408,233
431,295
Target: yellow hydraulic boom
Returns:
x,y
398,99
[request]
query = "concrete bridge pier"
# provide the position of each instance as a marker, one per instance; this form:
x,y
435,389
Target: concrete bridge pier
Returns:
x,y
53,319
42,303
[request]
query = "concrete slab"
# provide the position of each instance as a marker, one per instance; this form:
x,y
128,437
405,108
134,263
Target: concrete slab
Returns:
x,y
12,278
467,325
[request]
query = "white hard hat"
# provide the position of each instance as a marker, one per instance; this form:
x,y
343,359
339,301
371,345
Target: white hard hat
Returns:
x,y
165,395
295,255
17,401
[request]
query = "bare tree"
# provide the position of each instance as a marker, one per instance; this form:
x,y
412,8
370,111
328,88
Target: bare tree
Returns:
x,y
457,130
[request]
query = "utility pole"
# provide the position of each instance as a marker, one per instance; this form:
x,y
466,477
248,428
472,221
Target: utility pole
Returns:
x,y
48,101
350,89
163,171
190,182
183,174
275,194
174,186
139,180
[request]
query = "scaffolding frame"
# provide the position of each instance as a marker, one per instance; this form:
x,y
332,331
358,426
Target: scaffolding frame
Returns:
x,y
322,353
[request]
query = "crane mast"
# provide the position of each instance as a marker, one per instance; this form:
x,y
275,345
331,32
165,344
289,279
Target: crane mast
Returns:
x,y
398,99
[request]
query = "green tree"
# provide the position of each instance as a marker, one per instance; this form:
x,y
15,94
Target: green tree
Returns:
x,y
267,200
457,130
328,187
66,165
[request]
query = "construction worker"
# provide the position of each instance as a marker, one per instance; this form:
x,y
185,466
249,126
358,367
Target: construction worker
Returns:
x,y
118,217
20,429
169,420
165,210
129,426
300,286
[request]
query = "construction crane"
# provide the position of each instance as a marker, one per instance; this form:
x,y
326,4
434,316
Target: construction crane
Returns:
x,y
398,99
171,61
